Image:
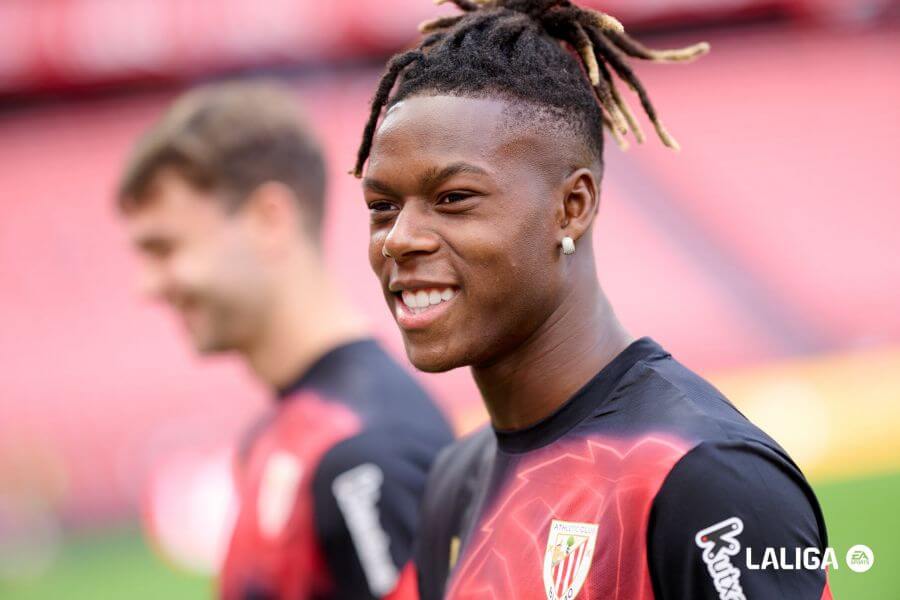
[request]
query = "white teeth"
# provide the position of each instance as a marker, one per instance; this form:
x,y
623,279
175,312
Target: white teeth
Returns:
x,y
420,300
409,298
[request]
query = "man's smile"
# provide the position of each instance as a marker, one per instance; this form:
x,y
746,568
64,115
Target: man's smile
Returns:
x,y
418,306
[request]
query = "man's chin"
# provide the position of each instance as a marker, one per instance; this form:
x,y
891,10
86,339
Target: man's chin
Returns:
x,y
208,350
207,346
206,336
431,360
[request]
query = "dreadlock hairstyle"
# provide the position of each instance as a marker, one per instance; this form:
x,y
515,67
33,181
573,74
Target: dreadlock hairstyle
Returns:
x,y
551,55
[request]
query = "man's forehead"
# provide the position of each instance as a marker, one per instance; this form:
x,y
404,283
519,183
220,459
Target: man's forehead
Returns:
x,y
439,121
170,205
153,218
490,129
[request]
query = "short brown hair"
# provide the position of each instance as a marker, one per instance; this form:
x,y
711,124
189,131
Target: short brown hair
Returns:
x,y
231,137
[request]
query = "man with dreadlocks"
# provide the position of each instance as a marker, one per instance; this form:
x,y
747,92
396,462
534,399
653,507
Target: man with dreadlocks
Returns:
x,y
609,470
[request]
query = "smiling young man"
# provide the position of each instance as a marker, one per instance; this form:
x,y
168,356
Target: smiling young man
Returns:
x,y
609,470
223,201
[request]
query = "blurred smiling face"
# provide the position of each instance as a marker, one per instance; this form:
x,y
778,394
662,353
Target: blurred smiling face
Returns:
x,y
200,260
463,204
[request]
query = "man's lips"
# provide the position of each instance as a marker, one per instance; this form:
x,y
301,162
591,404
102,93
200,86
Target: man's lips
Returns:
x,y
418,307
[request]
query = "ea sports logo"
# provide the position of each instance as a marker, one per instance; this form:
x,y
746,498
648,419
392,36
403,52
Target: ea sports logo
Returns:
x,y
860,558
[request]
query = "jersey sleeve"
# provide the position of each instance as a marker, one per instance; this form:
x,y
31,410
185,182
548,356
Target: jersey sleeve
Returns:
x,y
719,509
366,499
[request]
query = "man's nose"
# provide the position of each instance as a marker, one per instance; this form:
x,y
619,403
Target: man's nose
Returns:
x,y
152,284
410,235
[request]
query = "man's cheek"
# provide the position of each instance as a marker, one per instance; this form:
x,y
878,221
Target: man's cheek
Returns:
x,y
376,258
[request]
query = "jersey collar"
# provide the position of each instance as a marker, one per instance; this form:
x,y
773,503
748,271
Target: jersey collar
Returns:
x,y
328,366
585,401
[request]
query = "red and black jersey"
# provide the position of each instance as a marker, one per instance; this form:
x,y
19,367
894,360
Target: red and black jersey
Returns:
x,y
646,484
330,484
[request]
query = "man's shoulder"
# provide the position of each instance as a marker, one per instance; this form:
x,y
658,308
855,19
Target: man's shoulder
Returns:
x,y
333,432
304,429
667,378
664,396
366,379
716,438
383,448
462,460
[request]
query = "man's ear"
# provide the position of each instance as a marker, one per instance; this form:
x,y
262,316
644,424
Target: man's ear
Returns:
x,y
271,211
580,202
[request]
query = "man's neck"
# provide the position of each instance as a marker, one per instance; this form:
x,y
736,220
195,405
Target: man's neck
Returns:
x,y
304,324
532,382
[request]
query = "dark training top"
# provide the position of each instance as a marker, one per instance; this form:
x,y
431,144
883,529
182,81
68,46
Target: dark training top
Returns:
x,y
331,482
646,484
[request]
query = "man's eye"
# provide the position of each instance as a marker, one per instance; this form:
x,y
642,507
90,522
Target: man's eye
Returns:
x,y
381,206
157,250
451,197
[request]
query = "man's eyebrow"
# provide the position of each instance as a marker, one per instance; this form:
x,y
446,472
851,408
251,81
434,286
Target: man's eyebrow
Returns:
x,y
378,187
152,237
429,180
434,177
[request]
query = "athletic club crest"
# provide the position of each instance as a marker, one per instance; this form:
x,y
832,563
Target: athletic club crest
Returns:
x,y
278,489
570,549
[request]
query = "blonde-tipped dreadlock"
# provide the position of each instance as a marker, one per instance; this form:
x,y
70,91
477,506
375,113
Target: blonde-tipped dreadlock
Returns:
x,y
517,48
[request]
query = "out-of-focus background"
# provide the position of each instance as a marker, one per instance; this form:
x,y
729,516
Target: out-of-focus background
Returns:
x,y
764,255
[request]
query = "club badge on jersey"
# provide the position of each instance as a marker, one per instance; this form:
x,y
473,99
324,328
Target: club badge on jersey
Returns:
x,y
570,550
278,493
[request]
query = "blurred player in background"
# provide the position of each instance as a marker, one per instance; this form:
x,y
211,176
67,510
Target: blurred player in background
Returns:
x,y
611,470
223,200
